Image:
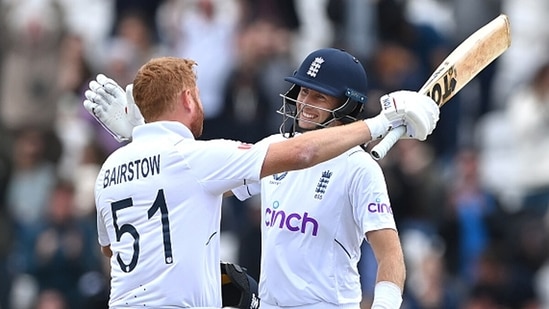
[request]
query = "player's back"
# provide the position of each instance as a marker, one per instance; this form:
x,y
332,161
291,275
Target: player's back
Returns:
x,y
162,223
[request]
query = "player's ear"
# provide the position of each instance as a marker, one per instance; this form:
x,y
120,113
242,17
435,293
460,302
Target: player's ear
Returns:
x,y
186,100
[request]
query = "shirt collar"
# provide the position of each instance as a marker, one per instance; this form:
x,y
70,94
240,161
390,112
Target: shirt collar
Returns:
x,y
161,128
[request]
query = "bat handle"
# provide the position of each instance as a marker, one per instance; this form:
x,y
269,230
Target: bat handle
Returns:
x,y
380,150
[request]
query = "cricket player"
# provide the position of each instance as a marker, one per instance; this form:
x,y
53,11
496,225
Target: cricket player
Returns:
x,y
315,219
159,197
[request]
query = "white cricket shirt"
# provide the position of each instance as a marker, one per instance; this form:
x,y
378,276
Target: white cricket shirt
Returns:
x,y
313,224
158,205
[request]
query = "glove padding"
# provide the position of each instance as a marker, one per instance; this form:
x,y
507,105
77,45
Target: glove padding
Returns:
x,y
238,289
417,112
113,107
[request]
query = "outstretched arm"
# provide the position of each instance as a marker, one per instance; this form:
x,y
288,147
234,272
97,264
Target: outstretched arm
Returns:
x,y
416,112
115,109
313,147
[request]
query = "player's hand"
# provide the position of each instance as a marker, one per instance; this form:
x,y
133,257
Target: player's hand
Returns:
x,y
417,112
134,114
113,107
421,113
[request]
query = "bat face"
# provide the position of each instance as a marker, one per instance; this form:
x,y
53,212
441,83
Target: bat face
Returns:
x,y
444,86
462,65
468,59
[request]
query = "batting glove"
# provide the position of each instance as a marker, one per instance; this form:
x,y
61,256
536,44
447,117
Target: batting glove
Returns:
x,y
113,107
417,112
422,113
391,116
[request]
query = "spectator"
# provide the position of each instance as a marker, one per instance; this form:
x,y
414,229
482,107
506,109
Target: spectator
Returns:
x,y
33,30
196,26
62,247
528,114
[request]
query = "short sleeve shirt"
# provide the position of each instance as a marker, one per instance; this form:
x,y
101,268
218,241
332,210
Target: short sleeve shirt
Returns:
x,y
158,203
313,224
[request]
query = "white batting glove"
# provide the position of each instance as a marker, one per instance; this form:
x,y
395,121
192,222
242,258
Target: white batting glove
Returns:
x,y
417,112
134,114
390,117
422,113
113,107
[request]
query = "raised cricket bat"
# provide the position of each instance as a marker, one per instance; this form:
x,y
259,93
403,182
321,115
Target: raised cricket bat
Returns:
x,y
461,66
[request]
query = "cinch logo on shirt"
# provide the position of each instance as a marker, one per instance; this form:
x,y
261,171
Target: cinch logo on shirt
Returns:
x,y
379,207
290,221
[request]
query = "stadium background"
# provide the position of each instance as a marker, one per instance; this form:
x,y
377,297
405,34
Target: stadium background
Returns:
x,y
470,202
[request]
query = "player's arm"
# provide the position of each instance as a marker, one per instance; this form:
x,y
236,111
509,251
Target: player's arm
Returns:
x,y
106,250
416,112
115,110
102,234
391,271
313,147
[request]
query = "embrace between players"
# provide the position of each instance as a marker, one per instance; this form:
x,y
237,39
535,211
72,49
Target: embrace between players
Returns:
x,y
161,232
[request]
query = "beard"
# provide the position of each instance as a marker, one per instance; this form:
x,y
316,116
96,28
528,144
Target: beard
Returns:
x,y
197,124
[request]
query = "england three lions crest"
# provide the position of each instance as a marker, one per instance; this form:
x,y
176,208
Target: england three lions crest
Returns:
x,y
322,184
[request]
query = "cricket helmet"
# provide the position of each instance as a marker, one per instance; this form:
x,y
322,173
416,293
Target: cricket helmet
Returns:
x,y
333,72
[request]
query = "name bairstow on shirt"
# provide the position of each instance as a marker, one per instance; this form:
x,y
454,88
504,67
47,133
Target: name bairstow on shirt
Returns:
x,y
133,170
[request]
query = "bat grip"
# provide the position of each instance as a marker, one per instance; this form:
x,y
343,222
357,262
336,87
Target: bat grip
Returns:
x,y
380,150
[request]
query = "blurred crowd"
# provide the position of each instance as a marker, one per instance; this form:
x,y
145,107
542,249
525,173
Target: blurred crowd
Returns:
x,y
470,202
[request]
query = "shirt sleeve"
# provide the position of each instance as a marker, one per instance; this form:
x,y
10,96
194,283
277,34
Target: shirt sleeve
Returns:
x,y
253,188
248,190
103,236
370,198
223,165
